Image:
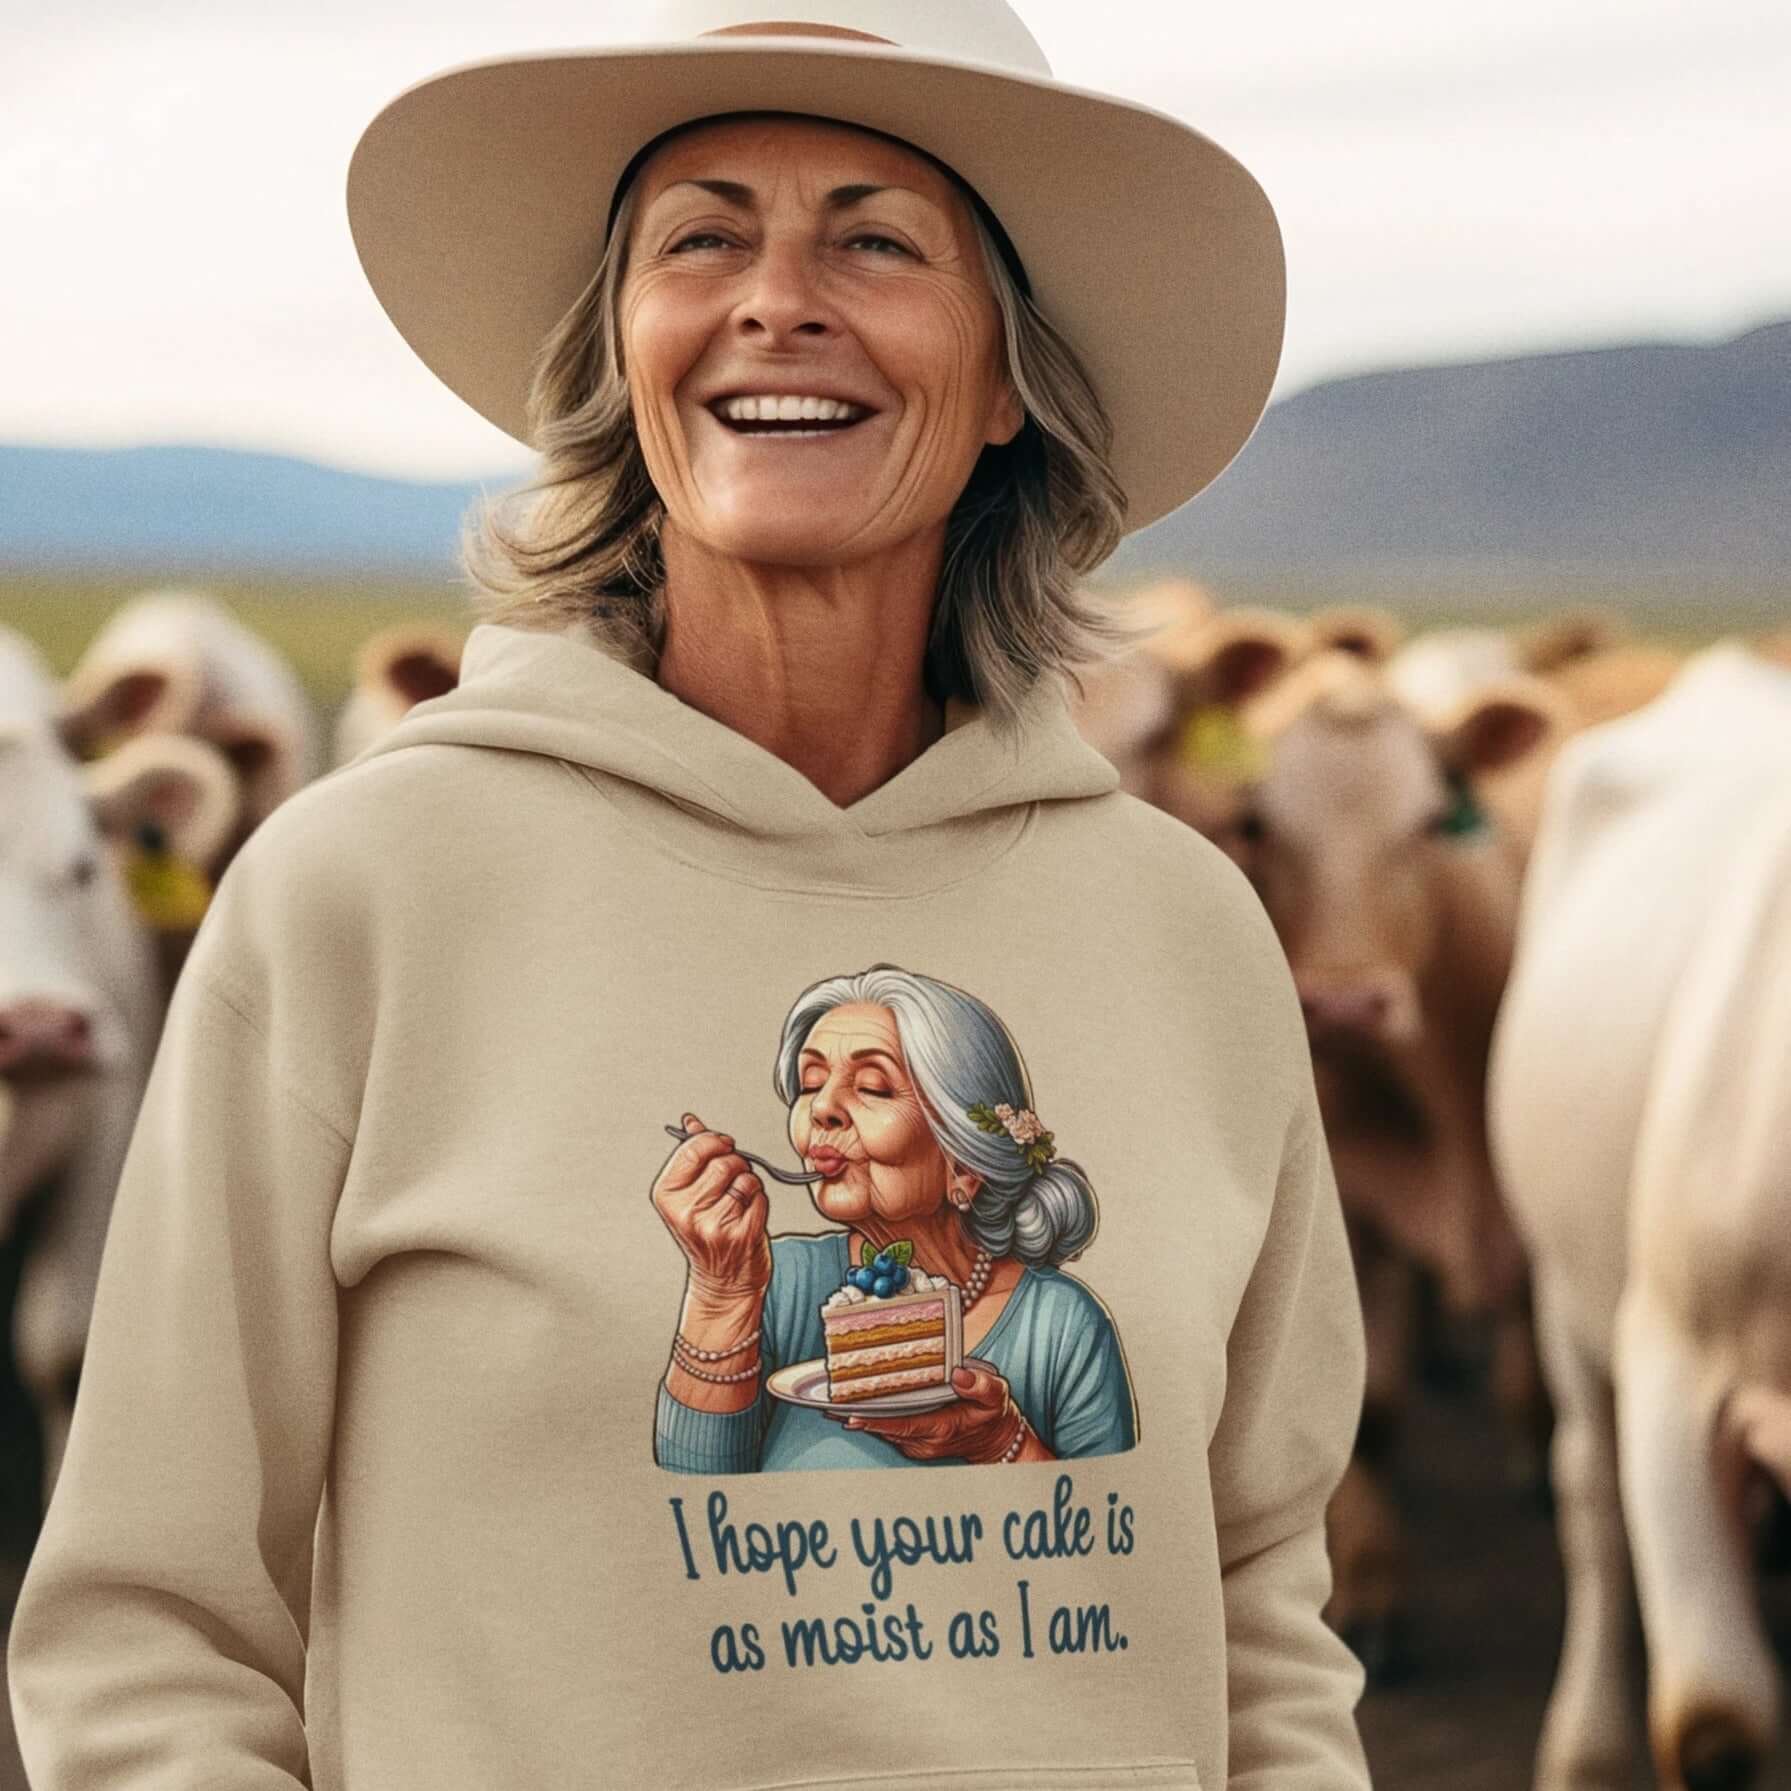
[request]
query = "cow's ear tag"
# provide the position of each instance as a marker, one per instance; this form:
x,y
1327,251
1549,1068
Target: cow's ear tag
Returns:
x,y
99,745
1465,815
1214,741
169,894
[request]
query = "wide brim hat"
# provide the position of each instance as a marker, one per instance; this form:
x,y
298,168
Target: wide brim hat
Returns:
x,y
479,201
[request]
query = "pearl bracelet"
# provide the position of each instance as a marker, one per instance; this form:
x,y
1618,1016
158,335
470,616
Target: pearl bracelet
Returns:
x,y
1013,1448
745,1374
716,1355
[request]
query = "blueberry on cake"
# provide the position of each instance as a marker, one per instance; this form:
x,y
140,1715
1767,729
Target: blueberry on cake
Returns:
x,y
891,1327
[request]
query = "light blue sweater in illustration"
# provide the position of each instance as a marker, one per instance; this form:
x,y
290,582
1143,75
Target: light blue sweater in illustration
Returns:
x,y
1053,1341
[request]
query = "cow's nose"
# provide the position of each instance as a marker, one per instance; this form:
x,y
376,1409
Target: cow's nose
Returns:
x,y
37,1035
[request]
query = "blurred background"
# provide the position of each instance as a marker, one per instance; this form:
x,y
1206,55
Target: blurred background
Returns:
x,y
1534,416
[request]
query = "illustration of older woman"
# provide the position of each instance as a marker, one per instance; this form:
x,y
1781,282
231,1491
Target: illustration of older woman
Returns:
x,y
909,1099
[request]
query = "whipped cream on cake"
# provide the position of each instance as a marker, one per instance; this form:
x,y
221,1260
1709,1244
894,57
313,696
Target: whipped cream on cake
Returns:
x,y
906,1329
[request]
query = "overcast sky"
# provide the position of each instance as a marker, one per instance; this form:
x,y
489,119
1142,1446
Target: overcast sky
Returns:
x,y
1456,179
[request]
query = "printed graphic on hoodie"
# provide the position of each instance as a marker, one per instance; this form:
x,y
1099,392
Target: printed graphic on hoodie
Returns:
x,y
932,1323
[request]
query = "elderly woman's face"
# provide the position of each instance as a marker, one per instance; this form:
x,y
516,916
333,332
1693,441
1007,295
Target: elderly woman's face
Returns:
x,y
812,267
859,1117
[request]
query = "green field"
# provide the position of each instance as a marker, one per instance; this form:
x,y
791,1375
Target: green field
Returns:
x,y
318,624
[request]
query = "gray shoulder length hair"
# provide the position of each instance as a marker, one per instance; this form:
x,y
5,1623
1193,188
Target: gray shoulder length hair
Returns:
x,y
582,550
958,1053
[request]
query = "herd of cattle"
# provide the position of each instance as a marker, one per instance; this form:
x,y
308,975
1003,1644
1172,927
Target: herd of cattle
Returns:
x,y
125,791
1534,886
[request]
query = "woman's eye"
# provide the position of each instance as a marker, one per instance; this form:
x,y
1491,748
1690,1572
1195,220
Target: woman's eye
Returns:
x,y
697,236
882,1093
889,242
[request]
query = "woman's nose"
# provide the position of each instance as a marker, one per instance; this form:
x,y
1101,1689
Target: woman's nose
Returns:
x,y
780,300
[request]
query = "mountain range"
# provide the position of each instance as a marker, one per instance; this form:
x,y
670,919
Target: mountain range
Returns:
x,y
1649,461
1646,461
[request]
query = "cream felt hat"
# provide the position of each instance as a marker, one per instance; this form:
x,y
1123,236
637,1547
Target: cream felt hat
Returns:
x,y
479,202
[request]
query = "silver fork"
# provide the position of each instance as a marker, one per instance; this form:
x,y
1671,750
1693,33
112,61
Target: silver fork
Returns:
x,y
783,1175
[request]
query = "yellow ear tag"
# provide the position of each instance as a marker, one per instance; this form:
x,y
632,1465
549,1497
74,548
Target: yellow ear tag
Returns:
x,y
100,744
170,894
1212,740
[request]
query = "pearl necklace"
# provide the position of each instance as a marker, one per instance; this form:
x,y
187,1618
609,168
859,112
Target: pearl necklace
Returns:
x,y
979,1278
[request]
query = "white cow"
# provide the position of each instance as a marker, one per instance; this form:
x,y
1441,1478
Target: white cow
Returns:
x,y
395,669
80,1002
1436,670
180,662
1639,1111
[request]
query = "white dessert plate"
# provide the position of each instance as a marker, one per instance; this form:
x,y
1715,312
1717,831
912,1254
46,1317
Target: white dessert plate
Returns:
x,y
805,1383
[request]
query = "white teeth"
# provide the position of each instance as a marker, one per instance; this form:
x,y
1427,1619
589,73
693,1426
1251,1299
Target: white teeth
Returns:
x,y
768,408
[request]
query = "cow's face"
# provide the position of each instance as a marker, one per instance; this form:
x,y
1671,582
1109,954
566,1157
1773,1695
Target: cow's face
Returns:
x,y
1338,838
114,705
1346,833
69,943
74,956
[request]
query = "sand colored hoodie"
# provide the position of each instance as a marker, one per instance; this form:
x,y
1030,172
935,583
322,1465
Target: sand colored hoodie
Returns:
x,y
375,1480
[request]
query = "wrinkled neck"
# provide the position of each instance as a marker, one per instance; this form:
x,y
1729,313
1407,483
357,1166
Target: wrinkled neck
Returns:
x,y
819,665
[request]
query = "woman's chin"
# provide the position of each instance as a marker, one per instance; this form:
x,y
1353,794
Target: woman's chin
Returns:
x,y
790,520
836,1200
794,546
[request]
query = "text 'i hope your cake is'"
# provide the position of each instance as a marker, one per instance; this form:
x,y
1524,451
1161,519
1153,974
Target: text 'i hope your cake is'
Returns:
x,y
891,1327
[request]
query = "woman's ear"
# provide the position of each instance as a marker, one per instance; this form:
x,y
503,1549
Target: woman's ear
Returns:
x,y
1007,416
962,1186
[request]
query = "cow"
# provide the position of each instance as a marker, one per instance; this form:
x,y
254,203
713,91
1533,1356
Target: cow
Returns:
x,y
395,668
1436,669
175,662
1586,654
1395,897
1368,630
180,662
81,1007
1163,713
1639,1111
1395,900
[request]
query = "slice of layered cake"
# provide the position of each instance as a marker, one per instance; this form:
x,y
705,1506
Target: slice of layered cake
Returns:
x,y
912,1336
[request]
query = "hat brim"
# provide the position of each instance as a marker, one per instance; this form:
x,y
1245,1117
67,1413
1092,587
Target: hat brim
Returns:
x,y
478,198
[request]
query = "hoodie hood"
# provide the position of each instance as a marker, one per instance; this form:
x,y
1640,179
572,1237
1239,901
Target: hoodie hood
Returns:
x,y
715,798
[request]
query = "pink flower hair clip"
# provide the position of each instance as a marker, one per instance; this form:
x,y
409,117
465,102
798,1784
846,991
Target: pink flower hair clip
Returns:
x,y
1022,1125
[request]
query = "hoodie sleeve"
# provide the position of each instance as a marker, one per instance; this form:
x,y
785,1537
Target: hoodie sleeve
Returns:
x,y
160,1634
1296,1365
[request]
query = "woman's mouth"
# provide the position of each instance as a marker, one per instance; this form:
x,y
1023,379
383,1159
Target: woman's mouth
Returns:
x,y
829,1162
788,417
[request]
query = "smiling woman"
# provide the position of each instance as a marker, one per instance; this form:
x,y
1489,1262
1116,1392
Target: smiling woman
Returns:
x,y
979,488
849,343
806,278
